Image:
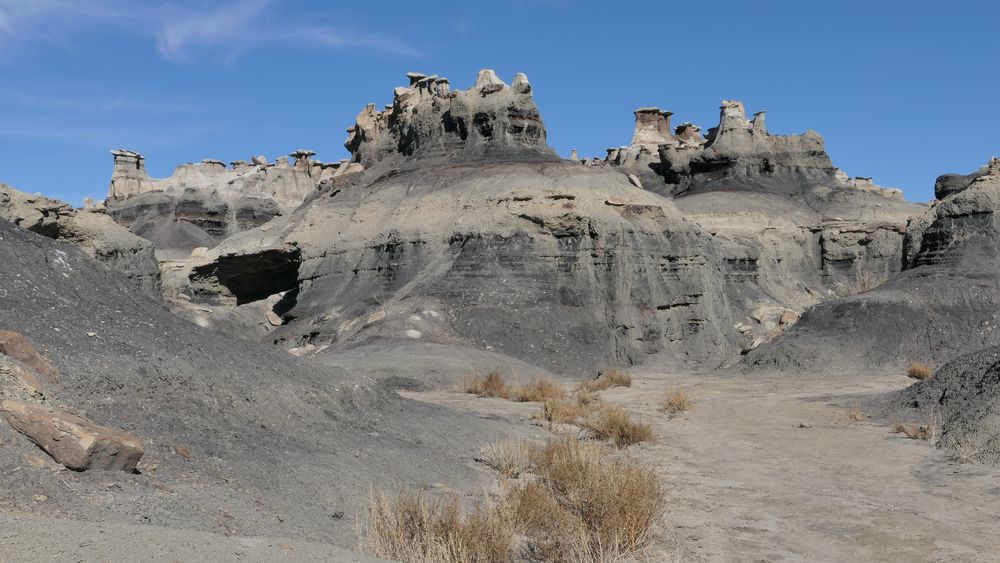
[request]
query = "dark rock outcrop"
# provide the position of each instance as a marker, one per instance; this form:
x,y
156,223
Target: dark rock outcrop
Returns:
x,y
964,395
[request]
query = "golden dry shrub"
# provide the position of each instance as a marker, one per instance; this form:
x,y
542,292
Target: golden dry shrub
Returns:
x,y
511,458
554,533
611,422
568,410
611,377
919,371
489,385
677,401
410,526
537,391
616,500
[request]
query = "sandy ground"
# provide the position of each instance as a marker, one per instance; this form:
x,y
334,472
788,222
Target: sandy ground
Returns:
x,y
773,469
25,537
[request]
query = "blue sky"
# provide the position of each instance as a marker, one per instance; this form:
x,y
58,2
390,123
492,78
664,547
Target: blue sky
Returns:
x,y
902,91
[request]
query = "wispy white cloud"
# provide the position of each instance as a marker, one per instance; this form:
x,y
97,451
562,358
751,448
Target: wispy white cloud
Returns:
x,y
76,101
182,32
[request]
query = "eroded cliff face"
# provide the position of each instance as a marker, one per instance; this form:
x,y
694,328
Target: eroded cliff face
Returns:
x,y
460,227
944,303
201,204
802,230
486,241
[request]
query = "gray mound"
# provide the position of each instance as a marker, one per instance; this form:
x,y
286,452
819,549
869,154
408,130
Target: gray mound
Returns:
x,y
405,363
178,221
944,303
524,258
965,395
93,232
279,446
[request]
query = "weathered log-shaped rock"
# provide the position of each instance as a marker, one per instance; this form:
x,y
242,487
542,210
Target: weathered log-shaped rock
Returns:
x,y
74,441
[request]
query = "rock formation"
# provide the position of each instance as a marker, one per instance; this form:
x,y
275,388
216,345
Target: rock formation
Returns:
x,y
464,225
945,302
287,184
203,203
96,233
429,121
465,229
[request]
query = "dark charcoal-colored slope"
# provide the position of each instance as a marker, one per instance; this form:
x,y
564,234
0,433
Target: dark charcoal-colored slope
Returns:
x,y
965,395
278,445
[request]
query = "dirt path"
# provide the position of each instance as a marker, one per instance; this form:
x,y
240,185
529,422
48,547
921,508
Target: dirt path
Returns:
x,y
773,469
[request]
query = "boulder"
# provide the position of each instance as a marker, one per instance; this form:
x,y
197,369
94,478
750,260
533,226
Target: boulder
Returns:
x,y
74,441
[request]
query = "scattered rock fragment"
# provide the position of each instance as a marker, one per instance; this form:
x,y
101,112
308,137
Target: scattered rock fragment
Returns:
x,y
788,317
274,319
18,347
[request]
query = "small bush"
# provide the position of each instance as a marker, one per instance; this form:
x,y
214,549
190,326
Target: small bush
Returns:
x,y
555,533
494,386
920,371
611,422
489,385
411,527
615,501
537,391
914,431
677,401
511,458
856,414
608,378
568,410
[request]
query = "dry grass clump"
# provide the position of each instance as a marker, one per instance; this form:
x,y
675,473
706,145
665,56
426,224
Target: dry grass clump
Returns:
x,y
411,527
914,431
920,371
583,504
489,385
856,414
537,391
588,505
494,385
677,401
512,457
568,410
612,377
611,422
